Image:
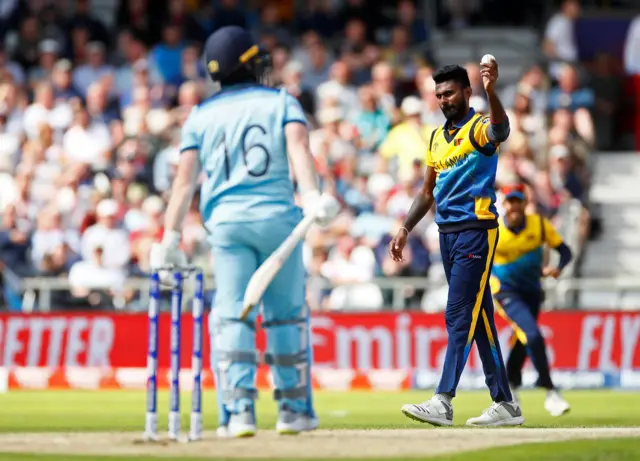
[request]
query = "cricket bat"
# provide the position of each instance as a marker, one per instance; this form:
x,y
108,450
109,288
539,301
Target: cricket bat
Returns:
x,y
272,265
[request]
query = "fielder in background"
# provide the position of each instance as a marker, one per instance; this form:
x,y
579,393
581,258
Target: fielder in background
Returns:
x,y
515,284
242,139
460,179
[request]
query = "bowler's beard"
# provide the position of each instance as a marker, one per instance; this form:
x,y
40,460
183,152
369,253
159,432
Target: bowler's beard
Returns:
x,y
453,113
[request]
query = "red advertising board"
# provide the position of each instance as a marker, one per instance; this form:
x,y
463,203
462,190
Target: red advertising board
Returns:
x,y
604,341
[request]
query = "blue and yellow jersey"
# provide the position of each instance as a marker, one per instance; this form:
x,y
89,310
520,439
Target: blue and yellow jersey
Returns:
x,y
465,162
517,264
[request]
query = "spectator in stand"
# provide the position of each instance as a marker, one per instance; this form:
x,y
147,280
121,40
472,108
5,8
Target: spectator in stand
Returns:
x,y
94,69
95,283
632,69
339,87
607,90
48,52
320,61
15,241
193,29
87,142
404,59
385,87
409,140
352,267
559,40
318,16
44,109
107,235
371,122
166,57
408,17
82,18
292,81
24,50
62,79
570,94
52,243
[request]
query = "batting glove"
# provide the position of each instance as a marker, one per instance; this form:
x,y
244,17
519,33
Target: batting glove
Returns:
x,y
167,254
324,207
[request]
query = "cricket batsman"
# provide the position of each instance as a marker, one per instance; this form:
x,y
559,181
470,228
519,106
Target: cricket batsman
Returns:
x,y
460,180
515,284
242,139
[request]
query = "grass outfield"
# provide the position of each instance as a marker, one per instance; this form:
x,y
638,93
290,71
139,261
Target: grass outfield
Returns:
x,y
74,411
39,411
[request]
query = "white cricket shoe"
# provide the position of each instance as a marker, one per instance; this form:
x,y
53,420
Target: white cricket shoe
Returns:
x,y
436,411
555,404
291,423
499,414
240,425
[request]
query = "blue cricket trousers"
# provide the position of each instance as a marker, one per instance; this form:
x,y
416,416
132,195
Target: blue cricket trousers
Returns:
x,y
522,310
467,257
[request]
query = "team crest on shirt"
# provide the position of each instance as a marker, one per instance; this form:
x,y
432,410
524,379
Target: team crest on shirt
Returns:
x,y
457,142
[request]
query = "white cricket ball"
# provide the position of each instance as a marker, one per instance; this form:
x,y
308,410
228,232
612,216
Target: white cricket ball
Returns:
x,y
488,59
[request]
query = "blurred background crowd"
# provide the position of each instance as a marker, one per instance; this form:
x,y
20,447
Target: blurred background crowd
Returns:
x,y
93,95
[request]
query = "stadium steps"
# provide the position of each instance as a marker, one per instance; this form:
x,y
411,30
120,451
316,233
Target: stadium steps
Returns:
x,y
616,253
514,48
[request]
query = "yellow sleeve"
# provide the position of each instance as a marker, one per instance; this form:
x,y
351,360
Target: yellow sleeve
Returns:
x,y
480,132
551,235
388,148
429,157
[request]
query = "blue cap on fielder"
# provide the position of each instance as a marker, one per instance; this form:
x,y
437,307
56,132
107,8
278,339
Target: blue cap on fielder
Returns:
x,y
228,49
514,191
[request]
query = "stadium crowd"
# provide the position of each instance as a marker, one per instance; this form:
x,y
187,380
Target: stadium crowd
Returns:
x,y
90,123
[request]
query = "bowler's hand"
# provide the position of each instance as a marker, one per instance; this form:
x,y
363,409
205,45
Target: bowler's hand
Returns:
x,y
550,271
397,245
489,73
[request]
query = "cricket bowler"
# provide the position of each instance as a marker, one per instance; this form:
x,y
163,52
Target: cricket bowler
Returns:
x,y
242,139
460,180
515,284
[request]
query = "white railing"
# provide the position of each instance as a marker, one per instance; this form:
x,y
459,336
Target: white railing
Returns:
x,y
561,294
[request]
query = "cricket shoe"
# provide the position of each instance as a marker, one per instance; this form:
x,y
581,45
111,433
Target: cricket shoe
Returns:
x,y
555,404
436,411
292,423
240,425
499,414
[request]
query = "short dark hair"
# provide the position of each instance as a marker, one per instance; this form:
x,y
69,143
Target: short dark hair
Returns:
x,y
452,72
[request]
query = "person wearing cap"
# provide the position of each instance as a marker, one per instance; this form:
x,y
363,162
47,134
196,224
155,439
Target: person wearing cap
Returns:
x,y
247,205
409,140
517,290
48,51
62,81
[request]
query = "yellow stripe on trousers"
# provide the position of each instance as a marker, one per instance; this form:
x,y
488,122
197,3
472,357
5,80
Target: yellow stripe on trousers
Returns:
x,y
492,238
520,334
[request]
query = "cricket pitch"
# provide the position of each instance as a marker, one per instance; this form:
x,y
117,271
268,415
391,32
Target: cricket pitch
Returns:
x,y
337,443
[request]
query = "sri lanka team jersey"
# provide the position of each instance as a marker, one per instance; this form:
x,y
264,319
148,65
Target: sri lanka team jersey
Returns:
x,y
517,264
465,162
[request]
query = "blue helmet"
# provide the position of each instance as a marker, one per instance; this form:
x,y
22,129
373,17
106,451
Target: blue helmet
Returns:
x,y
232,56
